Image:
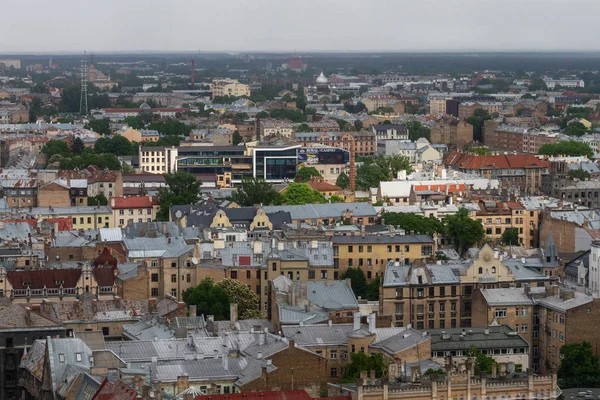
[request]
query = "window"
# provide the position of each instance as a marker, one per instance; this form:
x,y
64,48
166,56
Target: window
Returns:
x,y
323,274
442,291
174,292
233,274
274,266
154,277
105,330
333,372
493,270
561,337
426,250
188,278
311,274
524,329
333,355
369,249
154,292
360,249
173,278
61,358
350,249
500,313
562,319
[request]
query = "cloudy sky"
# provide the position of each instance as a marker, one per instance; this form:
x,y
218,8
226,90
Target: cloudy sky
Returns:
x,y
31,26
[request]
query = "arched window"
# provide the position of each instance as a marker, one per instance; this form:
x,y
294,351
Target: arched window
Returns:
x,y
480,270
493,270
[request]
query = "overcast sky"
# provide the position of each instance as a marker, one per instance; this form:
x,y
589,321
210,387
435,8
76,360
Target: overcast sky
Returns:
x,y
43,26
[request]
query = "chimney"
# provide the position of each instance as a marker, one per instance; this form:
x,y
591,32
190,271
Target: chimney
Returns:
x,y
494,370
226,359
371,319
486,331
293,295
151,305
183,383
356,321
352,168
192,310
349,282
28,316
363,232
94,305
373,376
233,314
527,289
262,338
117,302
46,306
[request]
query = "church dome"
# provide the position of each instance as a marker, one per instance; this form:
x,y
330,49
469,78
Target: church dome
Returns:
x,y
322,79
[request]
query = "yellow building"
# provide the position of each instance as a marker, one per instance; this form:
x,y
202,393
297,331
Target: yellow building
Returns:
x,y
83,217
229,87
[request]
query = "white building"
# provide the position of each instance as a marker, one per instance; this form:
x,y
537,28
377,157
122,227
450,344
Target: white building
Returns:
x,y
158,160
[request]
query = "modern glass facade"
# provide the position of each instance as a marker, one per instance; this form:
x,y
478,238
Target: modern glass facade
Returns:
x,y
276,164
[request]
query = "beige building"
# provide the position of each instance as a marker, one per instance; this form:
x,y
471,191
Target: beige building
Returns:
x,y
437,106
158,160
229,87
134,209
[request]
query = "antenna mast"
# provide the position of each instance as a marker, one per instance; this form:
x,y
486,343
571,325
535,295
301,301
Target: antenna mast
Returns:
x,y
83,104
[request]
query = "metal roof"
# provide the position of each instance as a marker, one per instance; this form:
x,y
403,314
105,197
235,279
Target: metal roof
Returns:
x,y
498,337
317,211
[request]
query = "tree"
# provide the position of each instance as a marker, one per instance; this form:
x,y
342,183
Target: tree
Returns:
x,y
303,127
416,130
369,175
78,146
117,144
372,291
305,173
56,147
293,115
576,129
570,148
413,222
101,126
300,193
236,138
343,181
477,120
510,237
182,188
579,367
246,299
480,151
393,165
336,199
99,200
462,230
483,362
262,115
358,281
580,174
209,299
255,191
170,127
134,122
361,362
241,116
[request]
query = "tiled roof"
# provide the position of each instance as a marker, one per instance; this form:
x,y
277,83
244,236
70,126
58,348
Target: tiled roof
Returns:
x,y
324,186
134,202
115,391
505,161
49,278
15,316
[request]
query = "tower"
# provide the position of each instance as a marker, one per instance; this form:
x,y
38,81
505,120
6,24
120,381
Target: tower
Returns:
x,y
83,104
352,166
193,72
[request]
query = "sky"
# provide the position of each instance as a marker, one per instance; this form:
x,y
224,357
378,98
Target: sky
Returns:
x,y
43,26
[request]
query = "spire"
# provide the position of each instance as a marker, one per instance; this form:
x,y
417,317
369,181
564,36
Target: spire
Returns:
x,y
550,252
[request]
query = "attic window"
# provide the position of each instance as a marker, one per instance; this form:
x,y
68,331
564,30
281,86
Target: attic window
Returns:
x,y
61,358
26,283
60,282
78,357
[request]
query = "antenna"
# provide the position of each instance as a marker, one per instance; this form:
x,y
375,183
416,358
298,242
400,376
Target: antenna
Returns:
x,y
83,104
193,72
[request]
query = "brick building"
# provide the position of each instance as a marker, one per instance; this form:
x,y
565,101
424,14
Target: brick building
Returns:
x,y
363,143
451,131
517,138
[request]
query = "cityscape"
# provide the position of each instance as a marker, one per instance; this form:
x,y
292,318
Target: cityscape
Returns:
x,y
300,219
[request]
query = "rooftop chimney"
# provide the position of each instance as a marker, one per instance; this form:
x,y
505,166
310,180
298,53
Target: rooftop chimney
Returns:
x,y
192,310
356,321
371,318
233,314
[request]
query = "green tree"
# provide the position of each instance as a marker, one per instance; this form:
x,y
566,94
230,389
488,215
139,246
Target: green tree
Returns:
x,y
236,138
171,127
462,230
361,362
101,126
358,280
262,115
576,129
56,147
255,191
579,367
480,151
477,120
416,130
372,290
432,371
579,174
182,188
393,165
303,127
414,222
209,299
343,181
483,362
246,299
510,237
305,173
336,199
99,200
241,116
300,193
369,175
570,148
117,144
293,115
78,146
134,122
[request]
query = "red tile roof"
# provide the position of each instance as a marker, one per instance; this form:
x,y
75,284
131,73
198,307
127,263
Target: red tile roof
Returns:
x,y
506,161
106,258
31,222
134,202
115,391
105,276
442,188
49,278
323,186
64,224
285,395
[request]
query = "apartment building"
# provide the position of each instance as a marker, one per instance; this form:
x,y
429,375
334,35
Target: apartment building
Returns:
x,y
391,131
82,217
547,318
229,87
372,253
452,132
158,159
517,138
362,143
466,109
430,296
126,210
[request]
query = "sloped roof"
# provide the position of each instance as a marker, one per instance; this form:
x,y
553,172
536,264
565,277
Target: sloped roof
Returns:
x,y
49,278
134,202
15,317
115,391
505,161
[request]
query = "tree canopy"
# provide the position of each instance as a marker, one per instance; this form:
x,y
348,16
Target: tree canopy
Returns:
x,y
580,174
361,362
209,299
246,299
303,128
477,120
182,188
101,126
414,222
360,286
134,122
416,130
77,147
301,193
305,173
483,362
236,138
343,181
255,191
170,127
383,168
510,237
117,144
579,367
576,129
462,230
56,147
570,148
292,114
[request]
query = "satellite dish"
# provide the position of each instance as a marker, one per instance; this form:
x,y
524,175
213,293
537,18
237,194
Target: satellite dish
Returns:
x,y
178,214
194,260
151,394
510,367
